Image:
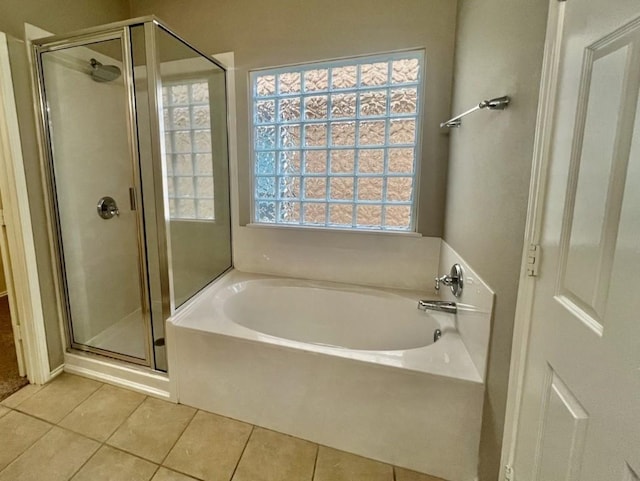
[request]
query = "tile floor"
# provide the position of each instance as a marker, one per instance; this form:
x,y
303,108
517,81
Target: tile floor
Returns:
x,y
82,430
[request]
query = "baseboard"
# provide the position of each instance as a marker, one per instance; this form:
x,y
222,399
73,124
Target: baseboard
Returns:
x,y
119,374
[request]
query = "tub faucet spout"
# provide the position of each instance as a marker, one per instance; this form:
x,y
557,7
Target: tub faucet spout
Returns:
x,y
440,306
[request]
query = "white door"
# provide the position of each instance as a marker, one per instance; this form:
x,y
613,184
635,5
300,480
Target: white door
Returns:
x,y
580,412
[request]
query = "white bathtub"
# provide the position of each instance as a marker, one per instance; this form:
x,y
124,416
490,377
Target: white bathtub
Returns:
x,y
349,367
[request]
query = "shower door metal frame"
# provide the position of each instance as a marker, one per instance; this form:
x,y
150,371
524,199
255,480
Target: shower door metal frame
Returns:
x,y
120,32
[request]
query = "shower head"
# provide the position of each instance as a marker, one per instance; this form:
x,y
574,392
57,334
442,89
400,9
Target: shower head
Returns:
x,y
103,73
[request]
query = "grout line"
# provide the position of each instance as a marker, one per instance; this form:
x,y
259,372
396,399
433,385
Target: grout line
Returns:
x,y
86,461
161,463
393,469
315,462
144,398
253,427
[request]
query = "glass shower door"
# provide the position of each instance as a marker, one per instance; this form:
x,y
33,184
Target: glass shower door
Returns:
x,y
94,177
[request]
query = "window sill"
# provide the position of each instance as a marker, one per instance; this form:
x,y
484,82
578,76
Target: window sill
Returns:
x,y
298,228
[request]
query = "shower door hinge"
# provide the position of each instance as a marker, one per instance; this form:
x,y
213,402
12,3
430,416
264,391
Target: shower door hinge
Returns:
x,y
533,260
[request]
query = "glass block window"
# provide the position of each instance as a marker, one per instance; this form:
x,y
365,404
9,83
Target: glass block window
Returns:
x,y
335,144
187,125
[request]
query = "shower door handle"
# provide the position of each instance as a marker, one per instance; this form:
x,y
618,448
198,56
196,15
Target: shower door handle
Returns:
x,y
107,208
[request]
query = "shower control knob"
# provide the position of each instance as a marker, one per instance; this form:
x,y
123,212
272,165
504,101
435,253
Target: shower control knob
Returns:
x,y
107,208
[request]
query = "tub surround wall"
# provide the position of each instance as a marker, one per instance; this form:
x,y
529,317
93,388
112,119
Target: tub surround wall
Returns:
x,y
475,306
385,260
499,47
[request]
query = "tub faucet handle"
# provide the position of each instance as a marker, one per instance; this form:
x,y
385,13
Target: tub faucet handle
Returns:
x,y
454,280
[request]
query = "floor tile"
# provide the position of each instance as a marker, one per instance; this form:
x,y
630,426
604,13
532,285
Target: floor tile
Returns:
x,y
21,395
54,457
4,410
152,429
406,475
17,432
58,398
210,447
110,464
334,465
271,456
101,414
165,474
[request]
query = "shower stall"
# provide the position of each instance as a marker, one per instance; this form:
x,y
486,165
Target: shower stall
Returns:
x,y
134,132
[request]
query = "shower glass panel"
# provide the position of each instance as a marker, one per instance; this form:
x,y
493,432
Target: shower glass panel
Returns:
x,y
134,128
94,185
194,122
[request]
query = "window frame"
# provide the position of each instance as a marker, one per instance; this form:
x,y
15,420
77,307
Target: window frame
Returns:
x,y
419,117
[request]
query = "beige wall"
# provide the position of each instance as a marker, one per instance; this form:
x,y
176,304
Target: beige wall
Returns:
x,y
281,32
499,51
57,16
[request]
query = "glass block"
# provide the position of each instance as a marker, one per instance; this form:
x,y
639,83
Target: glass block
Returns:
x,y
315,135
315,161
341,188
200,92
397,216
344,77
369,215
372,133
405,70
265,111
182,141
266,211
289,136
170,187
401,161
166,118
169,161
265,187
373,103
315,188
204,187
315,107
165,96
289,162
402,131
373,74
180,118
205,209
265,137
289,83
315,80
399,189
290,212
342,161
371,161
182,164
341,214
265,163
343,133
290,109
186,208
203,140
179,95
202,117
370,188
289,188
168,142
184,186
343,105
404,101
173,212
204,164
315,213
265,85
